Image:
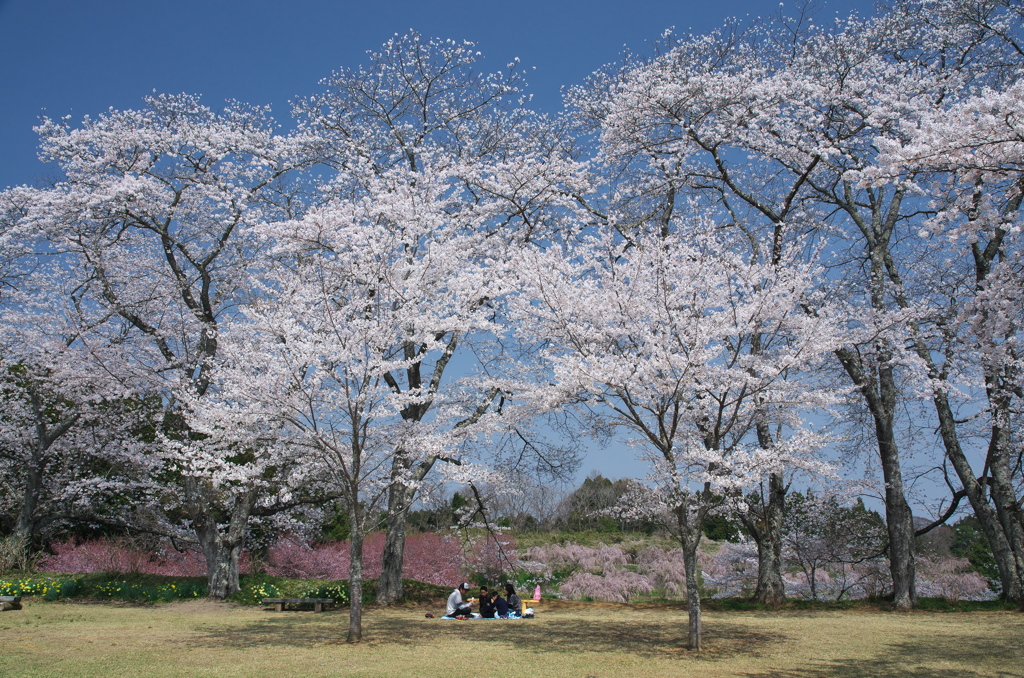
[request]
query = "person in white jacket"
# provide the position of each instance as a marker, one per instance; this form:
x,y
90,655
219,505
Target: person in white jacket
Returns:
x,y
456,606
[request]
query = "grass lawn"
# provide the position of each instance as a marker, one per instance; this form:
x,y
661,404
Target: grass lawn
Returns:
x,y
200,638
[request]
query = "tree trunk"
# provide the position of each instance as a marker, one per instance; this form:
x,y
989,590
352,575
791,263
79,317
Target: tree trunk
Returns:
x,y
222,554
26,527
688,531
1007,555
879,390
690,543
876,381
355,577
766,530
221,544
1007,507
28,518
899,521
389,586
1007,545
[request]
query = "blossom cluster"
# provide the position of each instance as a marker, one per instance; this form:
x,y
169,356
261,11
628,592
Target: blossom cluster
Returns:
x,y
107,555
617,574
433,558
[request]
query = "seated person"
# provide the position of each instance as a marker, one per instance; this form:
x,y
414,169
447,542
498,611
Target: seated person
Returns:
x,y
500,606
456,606
487,605
515,603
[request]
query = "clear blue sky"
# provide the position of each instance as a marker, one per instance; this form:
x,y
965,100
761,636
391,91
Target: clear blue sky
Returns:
x,y
80,57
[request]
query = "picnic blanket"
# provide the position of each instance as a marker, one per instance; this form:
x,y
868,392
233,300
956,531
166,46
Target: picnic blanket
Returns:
x,y
508,618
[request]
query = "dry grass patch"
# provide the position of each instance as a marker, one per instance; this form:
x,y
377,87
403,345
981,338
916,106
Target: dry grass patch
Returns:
x,y
566,639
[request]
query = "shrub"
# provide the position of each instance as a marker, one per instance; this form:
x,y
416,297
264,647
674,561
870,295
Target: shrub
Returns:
x,y
254,593
616,585
148,592
730,571
122,557
868,579
664,569
429,557
433,558
48,589
63,588
16,556
969,542
339,591
953,579
297,560
575,557
490,557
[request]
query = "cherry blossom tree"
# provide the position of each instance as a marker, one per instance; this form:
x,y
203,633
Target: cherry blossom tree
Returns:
x,y
77,446
417,103
965,154
341,351
667,127
75,438
652,334
770,124
827,531
149,217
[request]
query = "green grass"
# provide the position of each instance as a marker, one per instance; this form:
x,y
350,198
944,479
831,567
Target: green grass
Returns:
x,y
202,638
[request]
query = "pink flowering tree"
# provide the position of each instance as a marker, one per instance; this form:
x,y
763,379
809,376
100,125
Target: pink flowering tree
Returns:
x,y
342,350
76,441
150,217
650,332
420,105
965,155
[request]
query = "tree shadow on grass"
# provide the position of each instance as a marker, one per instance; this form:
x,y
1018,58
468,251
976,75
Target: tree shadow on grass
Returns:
x,y
641,635
921,658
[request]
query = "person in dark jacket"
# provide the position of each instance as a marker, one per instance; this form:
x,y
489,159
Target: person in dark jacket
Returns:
x,y
500,606
487,603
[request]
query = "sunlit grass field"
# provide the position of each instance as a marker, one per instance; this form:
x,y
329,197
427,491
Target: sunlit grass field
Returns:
x,y
200,638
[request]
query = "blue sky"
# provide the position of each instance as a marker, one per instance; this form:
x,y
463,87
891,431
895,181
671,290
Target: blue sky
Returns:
x,y
80,57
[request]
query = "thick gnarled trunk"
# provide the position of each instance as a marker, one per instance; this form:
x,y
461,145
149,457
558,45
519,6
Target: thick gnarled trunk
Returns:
x,y
45,435
766,530
222,553
26,526
221,534
389,586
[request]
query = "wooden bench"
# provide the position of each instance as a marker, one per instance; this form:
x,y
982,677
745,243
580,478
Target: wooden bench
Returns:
x,y
10,603
318,603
